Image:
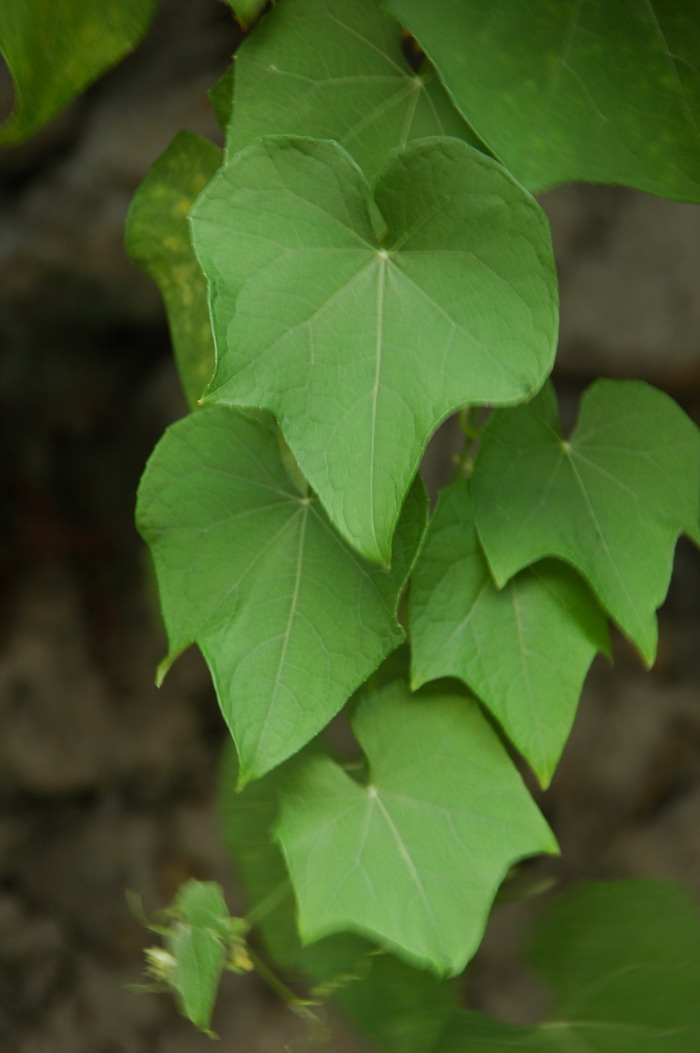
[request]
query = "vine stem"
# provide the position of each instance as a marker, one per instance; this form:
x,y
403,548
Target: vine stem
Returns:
x,y
290,999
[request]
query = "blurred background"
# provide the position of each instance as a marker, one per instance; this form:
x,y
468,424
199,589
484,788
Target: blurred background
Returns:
x,y
107,784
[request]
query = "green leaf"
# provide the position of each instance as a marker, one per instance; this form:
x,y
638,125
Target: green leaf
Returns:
x,y
524,650
402,1009
221,97
54,50
611,501
246,11
158,240
413,858
387,315
574,90
197,942
290,620
476,1033
623,962
247,817
625,954
202,904
335,69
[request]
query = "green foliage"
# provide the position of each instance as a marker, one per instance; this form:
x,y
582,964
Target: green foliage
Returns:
x,y
390,310
232,536
562,90
157,238
334,70
610,501
524,649
400,1008
201,940
399,849
370,268
54,50
247,11
623,963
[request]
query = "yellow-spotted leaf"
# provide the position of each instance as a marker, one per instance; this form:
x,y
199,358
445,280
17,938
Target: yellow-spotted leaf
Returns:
x,y
158,240
55,48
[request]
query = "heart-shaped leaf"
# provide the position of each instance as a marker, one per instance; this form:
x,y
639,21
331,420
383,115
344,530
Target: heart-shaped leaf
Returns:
x,y
577,90
290,620
413,858
158,240
524,650
611,501
54,50
623,962
361,324
335,69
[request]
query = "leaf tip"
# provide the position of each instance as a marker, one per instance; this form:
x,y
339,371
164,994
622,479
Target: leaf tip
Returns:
x,y
162,670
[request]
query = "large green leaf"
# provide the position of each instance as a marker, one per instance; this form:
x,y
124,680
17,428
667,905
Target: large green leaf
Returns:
x,y
361,324
290,620
566,90
414,857
55,48
335,69
158,240
611,501
524,650
623,962
404,1010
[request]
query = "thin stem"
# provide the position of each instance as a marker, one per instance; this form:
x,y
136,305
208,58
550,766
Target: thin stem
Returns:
x,y
260,911
290,999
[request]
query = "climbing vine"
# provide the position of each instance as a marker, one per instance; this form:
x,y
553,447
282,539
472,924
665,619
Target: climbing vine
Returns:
x,y
365,259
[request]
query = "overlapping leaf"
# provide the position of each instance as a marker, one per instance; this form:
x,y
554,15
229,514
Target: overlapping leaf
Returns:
x,y
335,69
290,620
414,857
361,324
524,650
54,50
611,501
158,240
404,1010
574,90
623,962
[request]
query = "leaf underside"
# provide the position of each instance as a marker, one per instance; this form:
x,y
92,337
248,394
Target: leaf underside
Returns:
x,y
388,312
611,500
290,620
524,649
414,858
